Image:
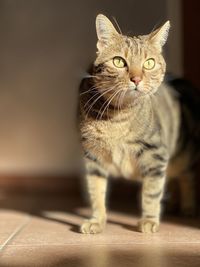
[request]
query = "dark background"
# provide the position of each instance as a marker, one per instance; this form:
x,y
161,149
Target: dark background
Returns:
x,y
191,41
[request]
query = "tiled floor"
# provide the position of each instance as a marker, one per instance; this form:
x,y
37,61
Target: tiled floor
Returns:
x,y
43,231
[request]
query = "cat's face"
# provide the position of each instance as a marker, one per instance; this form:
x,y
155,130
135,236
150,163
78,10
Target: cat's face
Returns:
x,y
131,66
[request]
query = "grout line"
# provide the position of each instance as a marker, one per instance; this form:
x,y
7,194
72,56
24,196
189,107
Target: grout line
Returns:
x,y
16,231
104,244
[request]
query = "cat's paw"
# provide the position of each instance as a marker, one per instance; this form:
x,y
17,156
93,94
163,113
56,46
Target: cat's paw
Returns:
x,y
148,226
92,226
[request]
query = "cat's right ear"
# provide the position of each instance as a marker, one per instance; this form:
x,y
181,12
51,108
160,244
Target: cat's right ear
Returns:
x,y
105,31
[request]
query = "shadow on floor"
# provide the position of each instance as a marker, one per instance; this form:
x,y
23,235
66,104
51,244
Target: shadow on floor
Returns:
x,y
37,205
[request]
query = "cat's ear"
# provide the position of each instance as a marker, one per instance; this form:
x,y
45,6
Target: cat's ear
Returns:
x,y
160,35
105,31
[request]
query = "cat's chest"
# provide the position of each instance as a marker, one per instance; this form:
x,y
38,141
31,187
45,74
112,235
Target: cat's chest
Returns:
x,y
113,149
123,162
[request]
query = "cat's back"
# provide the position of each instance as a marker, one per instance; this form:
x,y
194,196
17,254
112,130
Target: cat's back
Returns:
x,y
189,100
188,142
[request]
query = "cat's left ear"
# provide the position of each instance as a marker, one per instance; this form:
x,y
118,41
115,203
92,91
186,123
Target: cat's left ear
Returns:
x,y
159,36
105,31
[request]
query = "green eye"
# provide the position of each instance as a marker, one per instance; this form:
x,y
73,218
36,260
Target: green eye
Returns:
x,y
149,64
119,62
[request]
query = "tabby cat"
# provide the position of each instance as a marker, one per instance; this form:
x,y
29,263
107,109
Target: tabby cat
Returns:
x,y
131,124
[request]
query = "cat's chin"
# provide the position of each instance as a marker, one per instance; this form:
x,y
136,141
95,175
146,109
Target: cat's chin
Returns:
x,y
133,96
134,93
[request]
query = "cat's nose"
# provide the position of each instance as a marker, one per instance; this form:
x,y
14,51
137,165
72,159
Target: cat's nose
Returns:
x,y
136,80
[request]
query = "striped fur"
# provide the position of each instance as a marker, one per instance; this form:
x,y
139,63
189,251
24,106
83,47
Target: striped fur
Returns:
x,y
135,132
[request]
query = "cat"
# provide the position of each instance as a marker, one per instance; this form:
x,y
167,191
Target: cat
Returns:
x,y
131,124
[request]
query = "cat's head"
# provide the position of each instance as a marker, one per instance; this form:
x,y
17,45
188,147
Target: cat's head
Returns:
x,y
134,66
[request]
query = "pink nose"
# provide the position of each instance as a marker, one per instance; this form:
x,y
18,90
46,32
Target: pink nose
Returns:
x,y
136,80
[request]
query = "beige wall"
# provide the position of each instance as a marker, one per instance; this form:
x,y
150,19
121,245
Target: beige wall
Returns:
x,y
45,47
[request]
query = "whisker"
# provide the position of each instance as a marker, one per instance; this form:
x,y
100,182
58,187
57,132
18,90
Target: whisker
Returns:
x,y
103,105
117,25
107,106
92,88
101,95
89,90
107,101
97,93
87,76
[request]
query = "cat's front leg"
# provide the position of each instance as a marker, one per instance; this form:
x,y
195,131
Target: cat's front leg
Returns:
x,y
96,185
152,192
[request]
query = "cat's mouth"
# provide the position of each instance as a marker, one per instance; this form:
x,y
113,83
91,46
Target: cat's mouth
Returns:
x,y
136,91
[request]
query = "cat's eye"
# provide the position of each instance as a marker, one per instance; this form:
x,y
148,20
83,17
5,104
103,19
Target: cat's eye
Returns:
x,y
149,64
119,62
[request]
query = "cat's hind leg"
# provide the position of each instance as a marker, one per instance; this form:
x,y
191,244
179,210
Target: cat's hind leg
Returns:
x,y
152,192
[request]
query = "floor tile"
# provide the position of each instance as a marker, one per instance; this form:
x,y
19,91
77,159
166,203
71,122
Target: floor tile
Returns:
x,y
63,228
10,223
45,232
101,256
